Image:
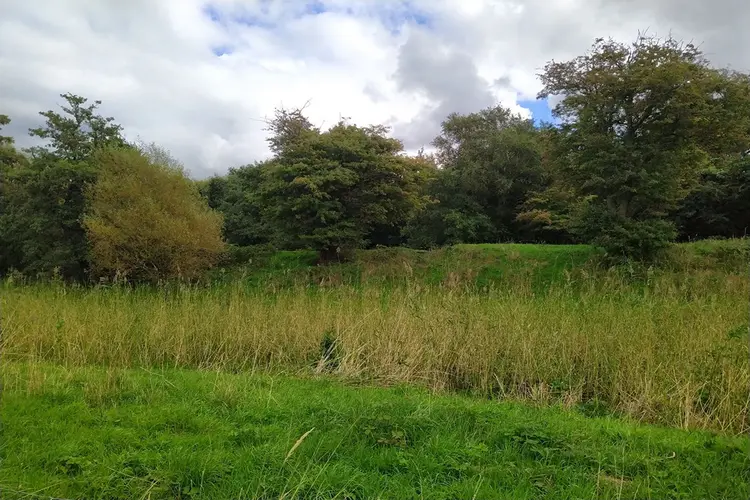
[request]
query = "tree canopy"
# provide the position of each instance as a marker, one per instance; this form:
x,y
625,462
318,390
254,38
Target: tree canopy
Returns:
x,y
331,190
647,149
639,123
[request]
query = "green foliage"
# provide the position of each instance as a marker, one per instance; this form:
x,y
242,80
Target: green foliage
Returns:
x,y
44,201
647,152
44,197
639,123
288,127
720,204
11,160
490,161
622,237
330,191
78,132
238,197
146,220
5,141
108,433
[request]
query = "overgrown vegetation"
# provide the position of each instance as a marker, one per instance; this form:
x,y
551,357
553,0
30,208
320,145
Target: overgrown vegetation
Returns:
x,y
146,221
573,334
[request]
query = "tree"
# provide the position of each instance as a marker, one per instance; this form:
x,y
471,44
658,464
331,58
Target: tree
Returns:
x,y
237,196
4,140
78,132
44,200
720,205
43,204
287,127
330,190
490,161
638,124
11,161
10,157
147,221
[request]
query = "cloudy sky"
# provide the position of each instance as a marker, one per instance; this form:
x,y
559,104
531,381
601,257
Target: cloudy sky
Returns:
x,y
198,77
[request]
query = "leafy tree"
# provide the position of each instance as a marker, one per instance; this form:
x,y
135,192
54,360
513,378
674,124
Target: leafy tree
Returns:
x,y
720,205
451,217
4,140
159,155
490,161
44,201
147,221
11,161
10,157
287,127
238,197
78,132
330,190
44,198
213,190
638,124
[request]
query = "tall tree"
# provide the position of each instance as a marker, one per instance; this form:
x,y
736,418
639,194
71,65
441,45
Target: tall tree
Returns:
x,y
45,202
78,132
638,123
490,160
330,190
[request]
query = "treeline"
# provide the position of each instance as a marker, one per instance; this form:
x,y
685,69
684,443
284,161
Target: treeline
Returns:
x,y
648,150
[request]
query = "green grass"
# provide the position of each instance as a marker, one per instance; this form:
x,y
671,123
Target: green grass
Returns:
x,y
475,266
111,433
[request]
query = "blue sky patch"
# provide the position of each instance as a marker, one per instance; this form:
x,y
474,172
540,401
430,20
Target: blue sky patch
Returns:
x,y
222,50
315,7
392,19
213,13
540,110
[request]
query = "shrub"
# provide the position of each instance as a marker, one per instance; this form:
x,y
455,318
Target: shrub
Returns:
x,y
147,221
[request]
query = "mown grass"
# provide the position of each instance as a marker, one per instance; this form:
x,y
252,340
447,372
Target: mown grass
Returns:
x,y
668,348
126,434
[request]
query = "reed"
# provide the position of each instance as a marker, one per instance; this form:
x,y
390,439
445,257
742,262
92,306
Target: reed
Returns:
x,y
669,349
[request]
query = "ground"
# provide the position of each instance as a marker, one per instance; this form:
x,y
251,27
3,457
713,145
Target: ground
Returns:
x,y
478,371
102,433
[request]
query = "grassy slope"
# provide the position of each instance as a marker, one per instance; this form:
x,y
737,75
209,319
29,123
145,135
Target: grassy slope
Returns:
x,y
478,266
102,433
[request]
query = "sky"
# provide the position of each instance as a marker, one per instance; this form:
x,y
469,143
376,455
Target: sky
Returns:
x,y
200,77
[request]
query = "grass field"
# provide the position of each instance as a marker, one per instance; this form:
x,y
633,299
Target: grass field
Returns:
x,y
99,392
129,434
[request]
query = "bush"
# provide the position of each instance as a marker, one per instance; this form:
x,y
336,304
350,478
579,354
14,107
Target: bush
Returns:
x,y
621,237
147,221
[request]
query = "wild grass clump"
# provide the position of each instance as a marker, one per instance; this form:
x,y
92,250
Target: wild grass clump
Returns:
x,y
670,350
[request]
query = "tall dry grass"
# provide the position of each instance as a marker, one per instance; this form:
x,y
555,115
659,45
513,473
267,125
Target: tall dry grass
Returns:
x,y
672,351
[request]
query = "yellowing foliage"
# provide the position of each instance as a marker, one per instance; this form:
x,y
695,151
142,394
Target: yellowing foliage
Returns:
x,y
147,221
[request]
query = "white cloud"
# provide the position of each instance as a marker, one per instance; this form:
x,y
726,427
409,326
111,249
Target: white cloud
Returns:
x,y
153,63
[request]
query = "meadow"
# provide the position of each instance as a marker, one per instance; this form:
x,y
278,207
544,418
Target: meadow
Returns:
x,y
543,341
